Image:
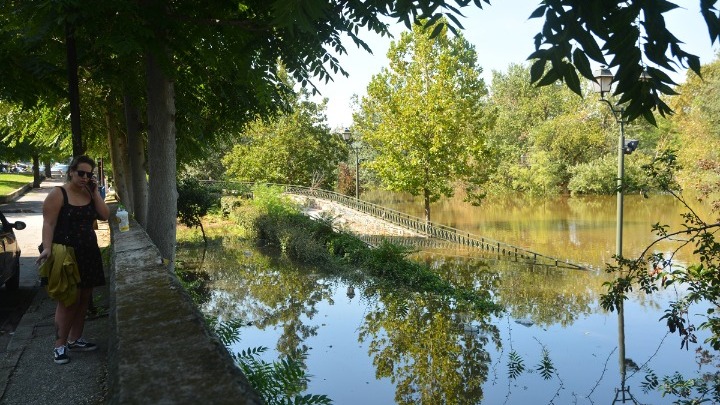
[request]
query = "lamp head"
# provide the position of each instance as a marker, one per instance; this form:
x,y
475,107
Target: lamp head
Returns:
x,y
603,81
630,146
645,76
346,135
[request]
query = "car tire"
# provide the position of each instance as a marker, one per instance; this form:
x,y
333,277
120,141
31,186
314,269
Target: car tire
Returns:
x,y
13,283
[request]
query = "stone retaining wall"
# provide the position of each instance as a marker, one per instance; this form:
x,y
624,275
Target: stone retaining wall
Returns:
x,y
15,194
160,351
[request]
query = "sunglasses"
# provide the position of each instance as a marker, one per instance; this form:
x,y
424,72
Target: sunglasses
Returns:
x,y
83,173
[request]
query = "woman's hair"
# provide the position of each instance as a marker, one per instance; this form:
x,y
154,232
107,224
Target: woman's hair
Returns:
x,y
76,162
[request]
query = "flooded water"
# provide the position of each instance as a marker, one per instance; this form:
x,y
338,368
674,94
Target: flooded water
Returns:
x,y
369,345
581,230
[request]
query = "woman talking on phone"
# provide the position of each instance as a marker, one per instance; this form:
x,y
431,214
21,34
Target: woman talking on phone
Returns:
x,y
69,212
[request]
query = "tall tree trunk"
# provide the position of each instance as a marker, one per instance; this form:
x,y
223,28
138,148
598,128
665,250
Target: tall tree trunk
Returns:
x,y
118,155
136,157
48,172
36,170
73,89
162,196
426,195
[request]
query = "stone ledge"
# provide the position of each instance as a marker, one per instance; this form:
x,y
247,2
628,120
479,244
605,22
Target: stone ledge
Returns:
x,y
160,350
15,194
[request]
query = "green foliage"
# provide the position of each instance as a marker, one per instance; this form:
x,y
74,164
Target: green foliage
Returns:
x,y
195,283
547,140
632,35
389,263
650,382
696,130
600,176
546,367
422,115
26,131
705,389
347,248
595,177
228,332
269,200
292,148
194,201
698,279
516,365
538,134
279,382
309,241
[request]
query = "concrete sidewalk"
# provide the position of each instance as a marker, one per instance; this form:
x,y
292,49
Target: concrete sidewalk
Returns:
x,y
28,374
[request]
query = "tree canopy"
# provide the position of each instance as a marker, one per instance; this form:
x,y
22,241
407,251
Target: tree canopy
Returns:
x,y
422,114
293,148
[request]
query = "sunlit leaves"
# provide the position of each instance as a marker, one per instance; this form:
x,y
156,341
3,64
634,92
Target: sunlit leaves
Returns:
x,y
293,148
279,382
422,115
625,35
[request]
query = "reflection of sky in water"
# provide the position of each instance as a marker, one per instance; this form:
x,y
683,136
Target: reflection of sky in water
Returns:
x,y
585,354
338,362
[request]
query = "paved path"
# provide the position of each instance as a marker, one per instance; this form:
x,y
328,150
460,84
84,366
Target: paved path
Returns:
x,y
28,374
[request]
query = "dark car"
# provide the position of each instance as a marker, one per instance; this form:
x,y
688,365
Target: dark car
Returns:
x,y
9,254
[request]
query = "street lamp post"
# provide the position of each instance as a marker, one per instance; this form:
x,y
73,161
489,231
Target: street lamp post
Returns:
x,y
602,85
347,136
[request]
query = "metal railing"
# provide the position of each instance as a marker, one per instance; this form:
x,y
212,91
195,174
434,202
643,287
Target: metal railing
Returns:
x,y
429,229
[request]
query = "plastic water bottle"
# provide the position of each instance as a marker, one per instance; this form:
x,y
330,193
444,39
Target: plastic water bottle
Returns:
x,y
122,217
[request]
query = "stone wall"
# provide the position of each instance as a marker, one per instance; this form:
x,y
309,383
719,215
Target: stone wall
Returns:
x,y
160,351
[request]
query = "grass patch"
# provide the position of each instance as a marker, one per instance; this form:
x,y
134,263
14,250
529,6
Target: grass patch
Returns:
x,y
10,182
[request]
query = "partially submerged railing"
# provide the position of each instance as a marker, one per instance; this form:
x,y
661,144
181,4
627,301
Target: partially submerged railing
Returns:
x,y
426,228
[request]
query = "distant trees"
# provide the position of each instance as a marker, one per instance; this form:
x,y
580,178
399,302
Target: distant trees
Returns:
x,y
547,140
294,148
696,126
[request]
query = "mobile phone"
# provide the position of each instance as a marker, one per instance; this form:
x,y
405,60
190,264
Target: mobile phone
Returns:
x,y
92,184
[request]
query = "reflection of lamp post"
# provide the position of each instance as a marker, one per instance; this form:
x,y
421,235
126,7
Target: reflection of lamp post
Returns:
x,y
347,136
602,85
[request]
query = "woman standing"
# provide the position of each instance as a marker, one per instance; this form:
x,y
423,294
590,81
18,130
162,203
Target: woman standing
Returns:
x,y
69,212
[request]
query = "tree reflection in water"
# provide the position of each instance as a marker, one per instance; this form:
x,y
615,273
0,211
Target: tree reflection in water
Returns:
x,y
417,341
424,348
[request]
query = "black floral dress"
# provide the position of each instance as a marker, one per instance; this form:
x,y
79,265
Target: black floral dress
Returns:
x,y
74,228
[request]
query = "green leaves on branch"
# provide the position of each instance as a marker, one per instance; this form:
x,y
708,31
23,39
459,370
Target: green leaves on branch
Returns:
x,y
624,35
423,114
